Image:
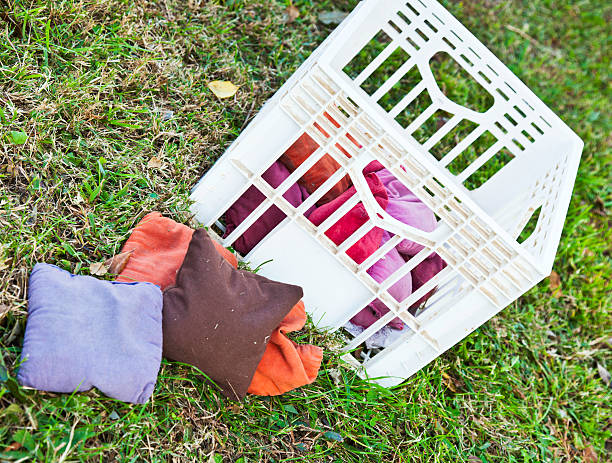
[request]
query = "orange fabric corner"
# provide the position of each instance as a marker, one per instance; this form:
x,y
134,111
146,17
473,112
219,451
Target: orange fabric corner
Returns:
x,y
286,365
159,245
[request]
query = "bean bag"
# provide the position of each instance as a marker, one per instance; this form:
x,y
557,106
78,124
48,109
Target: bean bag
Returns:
x,y
407,208
252,198
424,272
83,332
353,219
380,271
324,168
220,319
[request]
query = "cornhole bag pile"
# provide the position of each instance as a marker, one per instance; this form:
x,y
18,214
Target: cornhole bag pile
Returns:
x,y
220,319
159,245
401,204
83,333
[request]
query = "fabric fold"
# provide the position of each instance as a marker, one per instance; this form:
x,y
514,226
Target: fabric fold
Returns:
x,y
285,364
353,219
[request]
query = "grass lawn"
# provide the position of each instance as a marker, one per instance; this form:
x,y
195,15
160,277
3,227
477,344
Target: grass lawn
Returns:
x,y
102,86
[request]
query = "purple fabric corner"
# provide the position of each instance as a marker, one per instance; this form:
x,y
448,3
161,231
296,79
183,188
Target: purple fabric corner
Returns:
x,y
407,208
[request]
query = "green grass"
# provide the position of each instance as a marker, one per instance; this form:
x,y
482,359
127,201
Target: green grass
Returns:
x,y
100,87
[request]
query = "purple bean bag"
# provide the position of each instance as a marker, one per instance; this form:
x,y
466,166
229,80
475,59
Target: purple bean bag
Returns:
x,y
407,208
380,271
83,333
248,202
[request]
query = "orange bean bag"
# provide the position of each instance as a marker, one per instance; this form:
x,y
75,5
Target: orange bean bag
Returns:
x,y
285,364
324,168
159,245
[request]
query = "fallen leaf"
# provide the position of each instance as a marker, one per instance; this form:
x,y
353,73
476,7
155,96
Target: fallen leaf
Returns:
x,y
98,268
603,374
235,408
554,282
291,14
332,17
448,381
117,263
14,446
17,137
154,163
4,309
474,459
589,455
222,88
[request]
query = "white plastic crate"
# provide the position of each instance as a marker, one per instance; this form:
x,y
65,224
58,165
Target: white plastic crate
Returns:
x,y
477,229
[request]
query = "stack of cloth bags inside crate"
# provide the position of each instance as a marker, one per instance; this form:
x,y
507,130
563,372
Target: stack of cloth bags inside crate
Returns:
x,y
390,193
180,295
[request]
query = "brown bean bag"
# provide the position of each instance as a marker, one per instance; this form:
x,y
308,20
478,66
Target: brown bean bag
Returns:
x,y
220,319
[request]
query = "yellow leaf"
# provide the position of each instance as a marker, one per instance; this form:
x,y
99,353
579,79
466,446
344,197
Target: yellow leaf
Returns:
x,y
554,282
222,88
154,163
291,14
98,268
